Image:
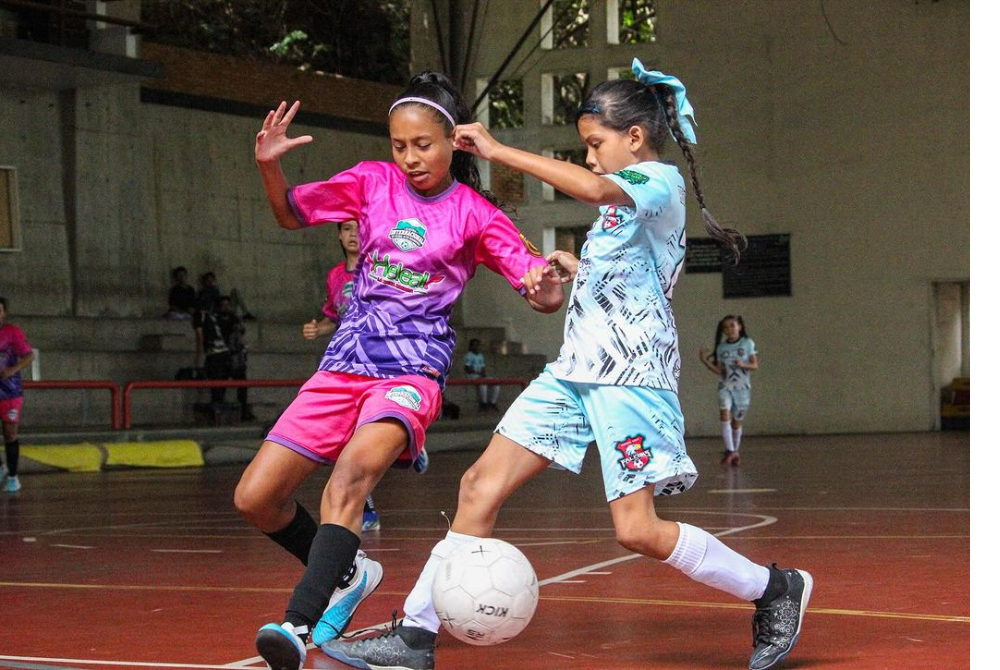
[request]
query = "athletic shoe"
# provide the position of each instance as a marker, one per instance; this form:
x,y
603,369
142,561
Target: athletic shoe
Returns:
x,y
403,647
280,647
778,621
727,457
370,521
360,582
734,459
12,485
422,463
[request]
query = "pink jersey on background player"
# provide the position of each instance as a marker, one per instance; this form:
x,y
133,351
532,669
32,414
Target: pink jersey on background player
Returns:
x,y
339,289
416,255
13,346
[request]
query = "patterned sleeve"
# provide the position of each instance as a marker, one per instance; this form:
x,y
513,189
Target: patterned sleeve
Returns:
x,y
339,198
505,250
646,185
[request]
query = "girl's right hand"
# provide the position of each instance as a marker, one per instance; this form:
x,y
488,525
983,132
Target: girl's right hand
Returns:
x,y
474,138
272,140
310,331
703,353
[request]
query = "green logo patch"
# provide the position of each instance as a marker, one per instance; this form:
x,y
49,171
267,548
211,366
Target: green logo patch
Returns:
x,y
633,177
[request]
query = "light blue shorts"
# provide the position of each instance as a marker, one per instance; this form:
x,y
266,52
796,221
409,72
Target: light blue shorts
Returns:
x,y
737,402
639,432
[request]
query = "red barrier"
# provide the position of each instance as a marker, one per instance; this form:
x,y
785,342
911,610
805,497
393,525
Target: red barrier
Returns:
x,y
264,383
200,384
116,422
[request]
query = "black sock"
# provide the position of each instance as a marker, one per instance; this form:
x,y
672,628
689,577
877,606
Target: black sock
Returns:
x,y
13,450
297,537
331,556
777,585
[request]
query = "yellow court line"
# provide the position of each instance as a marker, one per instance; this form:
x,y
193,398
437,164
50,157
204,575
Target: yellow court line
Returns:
x,y
595,599
811,610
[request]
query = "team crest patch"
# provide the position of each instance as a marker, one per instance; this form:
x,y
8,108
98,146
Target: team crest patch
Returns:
x,y
634,456
532,249
633,177
12,415
405,396
409,234
611,218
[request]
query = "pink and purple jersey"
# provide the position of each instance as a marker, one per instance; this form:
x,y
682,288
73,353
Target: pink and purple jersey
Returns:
x,y
416,255
339,289
13,346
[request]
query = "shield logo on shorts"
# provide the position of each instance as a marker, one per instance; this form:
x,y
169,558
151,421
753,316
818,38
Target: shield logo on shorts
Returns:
x,y
634,455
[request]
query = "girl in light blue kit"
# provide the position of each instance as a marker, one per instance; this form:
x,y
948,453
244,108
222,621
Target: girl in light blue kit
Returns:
x,y
615,381
734,356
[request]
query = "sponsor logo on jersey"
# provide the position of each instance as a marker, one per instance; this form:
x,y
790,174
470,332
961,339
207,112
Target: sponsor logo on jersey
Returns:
x,y
401,277
532,249
429,371
633,177
404,396
634,455
409,234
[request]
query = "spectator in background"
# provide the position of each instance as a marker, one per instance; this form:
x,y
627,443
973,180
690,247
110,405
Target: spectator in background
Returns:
x,y
209,292
475,367
15,355
219,338
182,295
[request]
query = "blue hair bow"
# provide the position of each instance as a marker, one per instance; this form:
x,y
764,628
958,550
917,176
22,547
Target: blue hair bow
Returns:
x,y
684,107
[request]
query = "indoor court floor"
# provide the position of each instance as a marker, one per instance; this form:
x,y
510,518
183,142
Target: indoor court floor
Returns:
x,y
155,569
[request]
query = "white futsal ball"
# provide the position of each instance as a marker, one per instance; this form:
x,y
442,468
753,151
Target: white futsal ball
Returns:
x,y
485,592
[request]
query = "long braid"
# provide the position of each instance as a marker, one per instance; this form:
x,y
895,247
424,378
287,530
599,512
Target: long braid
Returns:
x,y
731,238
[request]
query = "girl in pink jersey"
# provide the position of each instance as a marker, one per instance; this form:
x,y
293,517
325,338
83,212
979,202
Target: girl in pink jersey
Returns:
x,y
423,228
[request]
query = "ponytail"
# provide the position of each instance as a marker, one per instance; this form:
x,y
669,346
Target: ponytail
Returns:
x,y
730,238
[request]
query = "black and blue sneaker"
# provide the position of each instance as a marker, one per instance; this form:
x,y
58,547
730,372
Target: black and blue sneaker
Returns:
x,y
280,647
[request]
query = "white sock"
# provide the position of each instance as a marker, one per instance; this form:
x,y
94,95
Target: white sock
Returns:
x,y
737,436
419,605
727,436
701,556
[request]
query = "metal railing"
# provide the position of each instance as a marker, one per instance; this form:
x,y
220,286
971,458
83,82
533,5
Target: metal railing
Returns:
x,y
121,403
70,384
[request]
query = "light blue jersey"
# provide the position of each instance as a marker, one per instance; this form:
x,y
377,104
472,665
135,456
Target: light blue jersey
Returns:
x,y
727,353
619,324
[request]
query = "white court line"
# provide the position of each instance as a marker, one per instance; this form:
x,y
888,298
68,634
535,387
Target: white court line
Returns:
x,y
71,546
765,520
187,551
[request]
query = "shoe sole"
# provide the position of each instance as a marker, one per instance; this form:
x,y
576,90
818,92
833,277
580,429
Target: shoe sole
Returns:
x,y
807,587
273,646
338,655
350,618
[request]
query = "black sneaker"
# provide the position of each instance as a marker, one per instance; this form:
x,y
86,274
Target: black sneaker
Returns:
x,y
403,647
778,619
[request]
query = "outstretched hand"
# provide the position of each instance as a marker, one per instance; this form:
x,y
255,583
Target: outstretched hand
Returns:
x,y
272,140
474,138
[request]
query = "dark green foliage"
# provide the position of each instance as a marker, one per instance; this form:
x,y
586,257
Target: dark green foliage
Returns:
x,y
367,39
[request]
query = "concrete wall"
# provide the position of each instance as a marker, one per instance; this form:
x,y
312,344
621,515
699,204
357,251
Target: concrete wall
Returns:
x,y
859,150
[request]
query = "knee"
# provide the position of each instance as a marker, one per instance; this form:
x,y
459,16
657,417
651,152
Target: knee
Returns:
x,y
475,487
633,536
253,507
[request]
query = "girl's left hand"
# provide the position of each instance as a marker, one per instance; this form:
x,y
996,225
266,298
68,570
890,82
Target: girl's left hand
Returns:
x,y
474,138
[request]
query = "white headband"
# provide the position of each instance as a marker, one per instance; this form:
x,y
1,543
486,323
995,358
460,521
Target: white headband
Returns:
x,y
424,101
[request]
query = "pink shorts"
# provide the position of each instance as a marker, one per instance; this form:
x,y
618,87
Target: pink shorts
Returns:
x,y
332,405
10,410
